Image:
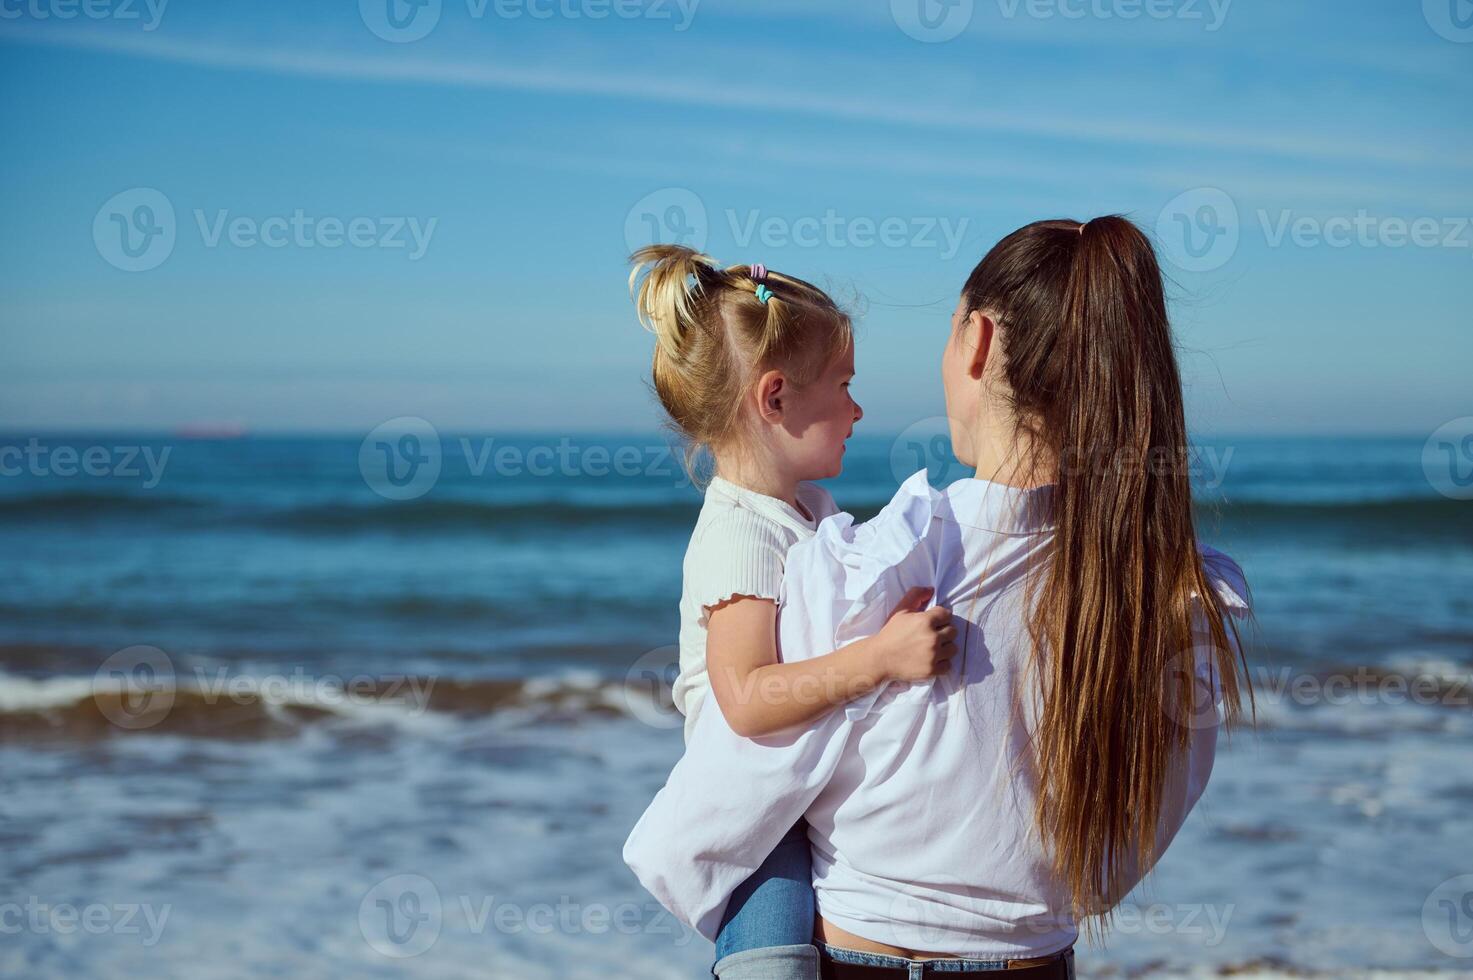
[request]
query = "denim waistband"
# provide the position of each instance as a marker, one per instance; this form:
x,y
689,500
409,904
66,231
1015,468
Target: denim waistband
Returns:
x,y
856,957
860,958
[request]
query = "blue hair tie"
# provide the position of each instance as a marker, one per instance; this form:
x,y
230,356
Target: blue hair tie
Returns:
x,y
763,294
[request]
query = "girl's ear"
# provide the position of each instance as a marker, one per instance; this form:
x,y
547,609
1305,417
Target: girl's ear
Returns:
x,y
771,390
983,331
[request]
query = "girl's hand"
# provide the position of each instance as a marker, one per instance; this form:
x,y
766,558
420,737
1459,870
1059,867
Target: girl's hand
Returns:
x,y
916,642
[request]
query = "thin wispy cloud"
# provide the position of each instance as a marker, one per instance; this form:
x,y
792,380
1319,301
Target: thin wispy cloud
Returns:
x,y
552,76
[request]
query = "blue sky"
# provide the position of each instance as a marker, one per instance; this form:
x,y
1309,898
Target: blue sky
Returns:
x,y
495,172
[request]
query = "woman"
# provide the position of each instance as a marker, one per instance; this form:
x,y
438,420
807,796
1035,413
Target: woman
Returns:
x,y
967,823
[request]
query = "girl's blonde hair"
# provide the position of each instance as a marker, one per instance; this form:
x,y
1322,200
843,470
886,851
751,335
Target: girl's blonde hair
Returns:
x,y
714,336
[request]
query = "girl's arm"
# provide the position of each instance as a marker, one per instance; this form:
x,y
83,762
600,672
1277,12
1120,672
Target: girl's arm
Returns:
x,y
760,696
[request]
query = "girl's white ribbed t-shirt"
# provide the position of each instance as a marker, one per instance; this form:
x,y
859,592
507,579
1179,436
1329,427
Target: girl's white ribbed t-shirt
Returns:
x,y
738,548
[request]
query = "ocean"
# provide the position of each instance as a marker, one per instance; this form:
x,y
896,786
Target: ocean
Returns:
x,y
332,706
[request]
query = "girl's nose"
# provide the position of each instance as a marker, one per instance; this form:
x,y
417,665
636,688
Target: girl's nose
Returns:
x,y
858,412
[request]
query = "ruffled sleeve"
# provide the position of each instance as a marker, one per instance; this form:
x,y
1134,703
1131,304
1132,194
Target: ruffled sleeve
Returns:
x,y
868,568
729,799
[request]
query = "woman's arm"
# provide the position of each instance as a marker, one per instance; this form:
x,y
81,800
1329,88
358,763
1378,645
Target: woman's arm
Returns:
x,y
760,696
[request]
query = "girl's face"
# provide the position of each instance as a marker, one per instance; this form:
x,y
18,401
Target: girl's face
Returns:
x,y
818,419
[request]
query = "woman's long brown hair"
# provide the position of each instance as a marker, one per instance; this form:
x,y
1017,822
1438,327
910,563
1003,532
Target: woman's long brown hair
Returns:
x,y
1087,351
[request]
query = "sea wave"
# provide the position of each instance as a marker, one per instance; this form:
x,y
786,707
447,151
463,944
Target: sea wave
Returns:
x,y
260,707
1365,702
1404,515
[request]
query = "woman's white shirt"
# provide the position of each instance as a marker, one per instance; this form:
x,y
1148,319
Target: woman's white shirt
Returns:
x,y
919,798
739,547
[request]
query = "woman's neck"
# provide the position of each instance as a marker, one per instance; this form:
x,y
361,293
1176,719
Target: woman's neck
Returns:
x,y
1013,459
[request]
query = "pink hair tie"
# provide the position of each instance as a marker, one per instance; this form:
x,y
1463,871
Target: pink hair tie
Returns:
x,y
759,271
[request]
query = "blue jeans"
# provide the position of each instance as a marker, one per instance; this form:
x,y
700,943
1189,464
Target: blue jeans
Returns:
x,y
773,907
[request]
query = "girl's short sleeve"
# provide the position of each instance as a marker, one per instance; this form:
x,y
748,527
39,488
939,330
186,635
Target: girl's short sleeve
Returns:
x,y
738,553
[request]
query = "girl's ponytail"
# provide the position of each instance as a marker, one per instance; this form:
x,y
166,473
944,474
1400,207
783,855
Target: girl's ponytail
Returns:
x,y
667,297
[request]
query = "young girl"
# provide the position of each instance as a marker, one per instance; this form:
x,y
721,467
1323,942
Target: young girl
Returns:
x,y
754,367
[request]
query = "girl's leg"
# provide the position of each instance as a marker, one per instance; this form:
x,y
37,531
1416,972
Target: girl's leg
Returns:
x,y
767,931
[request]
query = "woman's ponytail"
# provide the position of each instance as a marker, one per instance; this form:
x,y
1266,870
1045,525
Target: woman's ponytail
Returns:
x,y
1088,357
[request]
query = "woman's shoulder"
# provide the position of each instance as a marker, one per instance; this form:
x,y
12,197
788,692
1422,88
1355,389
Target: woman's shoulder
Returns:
x,y
1227,578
